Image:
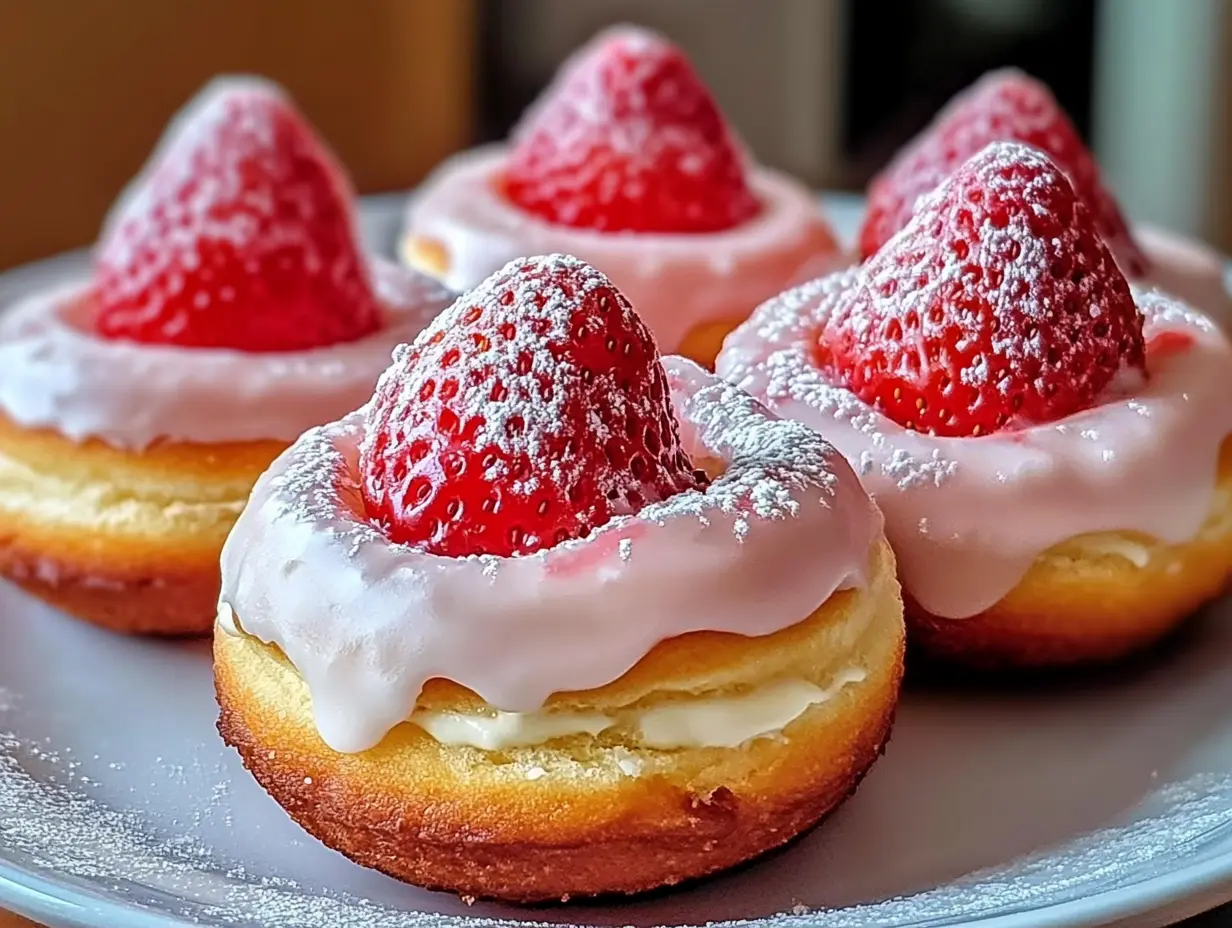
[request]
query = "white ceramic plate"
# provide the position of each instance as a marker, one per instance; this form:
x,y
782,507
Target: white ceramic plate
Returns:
x,y
1068,804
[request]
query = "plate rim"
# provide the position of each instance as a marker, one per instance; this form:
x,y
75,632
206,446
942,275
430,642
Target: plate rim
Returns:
x,y
34,896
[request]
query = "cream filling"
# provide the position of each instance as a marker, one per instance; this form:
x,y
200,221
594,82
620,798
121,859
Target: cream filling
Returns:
x,y
781,530
706,722
497,730
1116,546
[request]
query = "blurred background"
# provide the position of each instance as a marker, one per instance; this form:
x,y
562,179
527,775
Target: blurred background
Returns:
x,y
826,89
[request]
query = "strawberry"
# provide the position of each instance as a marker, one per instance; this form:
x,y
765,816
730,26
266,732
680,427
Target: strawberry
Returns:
x,y
628,139
1003,106
530,412
239,234
998,305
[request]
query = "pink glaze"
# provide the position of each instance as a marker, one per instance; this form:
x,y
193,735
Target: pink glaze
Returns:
x,y
674,282
367,622
968,516
1189,270
55,374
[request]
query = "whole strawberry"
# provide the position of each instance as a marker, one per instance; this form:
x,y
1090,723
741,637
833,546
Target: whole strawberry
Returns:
x,y
239,234
999,305
1003,106
628,139
530,412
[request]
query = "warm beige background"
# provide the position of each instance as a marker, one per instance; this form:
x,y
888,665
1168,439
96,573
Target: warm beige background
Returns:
x,y
87,85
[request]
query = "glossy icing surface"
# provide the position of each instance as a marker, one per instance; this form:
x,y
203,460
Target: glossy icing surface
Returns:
x,y
968,516
55,374
674,281
367,622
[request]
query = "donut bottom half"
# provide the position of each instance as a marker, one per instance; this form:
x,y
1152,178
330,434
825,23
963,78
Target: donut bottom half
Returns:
x,y
584,815
128,540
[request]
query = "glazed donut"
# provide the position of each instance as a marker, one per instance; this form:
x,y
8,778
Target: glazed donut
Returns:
x,y
585,815
228,309
674,692
1095,597
128,541
691,287
123,466
1047,543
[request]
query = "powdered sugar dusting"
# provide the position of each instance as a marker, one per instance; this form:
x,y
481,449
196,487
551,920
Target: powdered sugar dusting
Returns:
x,y
532,410
999,284
540,415
773,463
783,527
523,417
1003,106
240,227
969,516
187,144
582,98
55,830
627,138
911,286
788,374
1162,312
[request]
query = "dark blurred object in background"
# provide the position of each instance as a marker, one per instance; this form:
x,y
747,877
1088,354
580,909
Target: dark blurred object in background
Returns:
x,y
885,66
898,78
825,89
828,89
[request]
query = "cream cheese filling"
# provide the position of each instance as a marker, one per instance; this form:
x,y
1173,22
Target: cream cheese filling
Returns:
x,y
1111,544
700,722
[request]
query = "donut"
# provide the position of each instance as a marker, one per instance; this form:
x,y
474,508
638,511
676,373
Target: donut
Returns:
x,y
609,704
1049,444
229,308
626,162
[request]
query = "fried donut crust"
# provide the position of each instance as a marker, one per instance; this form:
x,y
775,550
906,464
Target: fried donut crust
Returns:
x,y
586,815
128,540
1091,599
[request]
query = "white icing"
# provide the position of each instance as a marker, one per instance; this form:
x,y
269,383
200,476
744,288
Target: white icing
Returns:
x,y
690,722
367,623
1189,270
54,373
674,282
968,516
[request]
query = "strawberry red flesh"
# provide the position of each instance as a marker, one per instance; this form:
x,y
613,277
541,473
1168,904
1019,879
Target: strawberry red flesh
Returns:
x,y
240,234
629,139
1003,106
530,412
999,305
